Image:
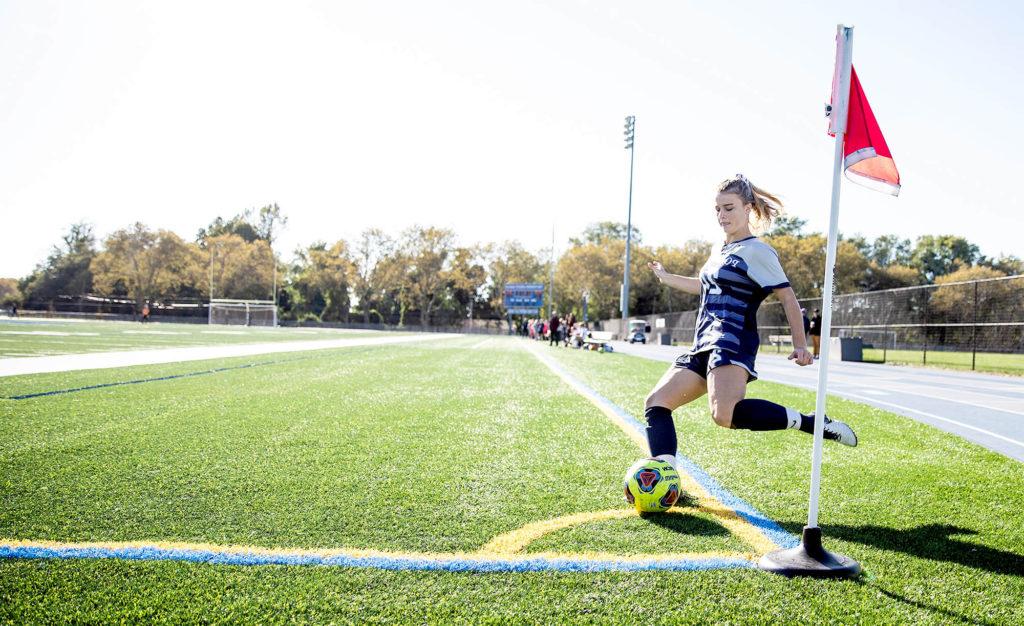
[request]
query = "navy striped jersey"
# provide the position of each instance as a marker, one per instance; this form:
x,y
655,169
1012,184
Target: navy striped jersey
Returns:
x,y
733,283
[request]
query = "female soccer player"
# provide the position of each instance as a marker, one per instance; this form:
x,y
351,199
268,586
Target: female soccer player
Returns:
x,y
732,284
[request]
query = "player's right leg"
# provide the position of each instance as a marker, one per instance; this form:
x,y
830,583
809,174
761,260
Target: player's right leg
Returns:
x,y
677,387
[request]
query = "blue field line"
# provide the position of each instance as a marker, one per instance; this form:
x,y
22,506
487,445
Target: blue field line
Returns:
x,y
139,381
743,508
398,562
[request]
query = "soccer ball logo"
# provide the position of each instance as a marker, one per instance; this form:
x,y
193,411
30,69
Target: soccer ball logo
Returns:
x,y
652,486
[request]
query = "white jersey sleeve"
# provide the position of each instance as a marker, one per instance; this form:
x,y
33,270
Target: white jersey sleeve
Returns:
x,y
764,267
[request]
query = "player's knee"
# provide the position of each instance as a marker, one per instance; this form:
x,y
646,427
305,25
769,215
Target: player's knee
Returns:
x,y
721,413
653,399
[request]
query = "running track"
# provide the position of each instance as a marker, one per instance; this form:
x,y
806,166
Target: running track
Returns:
x,y
984,408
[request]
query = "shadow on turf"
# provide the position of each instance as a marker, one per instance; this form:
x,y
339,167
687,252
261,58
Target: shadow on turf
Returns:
x,y
932,541
927,607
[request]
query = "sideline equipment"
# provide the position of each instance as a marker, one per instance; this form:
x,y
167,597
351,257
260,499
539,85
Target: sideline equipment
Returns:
x,y
652,486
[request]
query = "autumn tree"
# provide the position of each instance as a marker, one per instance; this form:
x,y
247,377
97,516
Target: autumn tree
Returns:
x,y
426,252
467,276
239,268
369,281
321,279
9,292
146,264
511,263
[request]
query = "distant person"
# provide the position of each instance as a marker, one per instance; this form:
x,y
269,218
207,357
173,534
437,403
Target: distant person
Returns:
x,y
733,282
815,331
14,310
145,313
553,324
807,322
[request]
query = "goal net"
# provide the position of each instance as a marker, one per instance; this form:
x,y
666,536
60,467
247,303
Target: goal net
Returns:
x,y
243,312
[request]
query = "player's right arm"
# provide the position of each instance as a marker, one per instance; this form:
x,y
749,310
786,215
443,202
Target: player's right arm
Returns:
x,y
682,283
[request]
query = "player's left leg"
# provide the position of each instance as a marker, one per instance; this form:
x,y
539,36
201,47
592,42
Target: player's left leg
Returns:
x,y
731,409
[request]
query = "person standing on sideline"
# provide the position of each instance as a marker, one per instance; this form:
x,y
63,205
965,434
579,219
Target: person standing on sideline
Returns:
x,y
145,313
815,331
807,322
732,284
553,329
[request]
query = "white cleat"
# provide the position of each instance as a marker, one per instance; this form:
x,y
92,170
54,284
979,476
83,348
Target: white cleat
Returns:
x,y
840,431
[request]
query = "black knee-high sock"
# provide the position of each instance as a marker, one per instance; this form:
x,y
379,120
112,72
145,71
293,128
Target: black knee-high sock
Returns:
x,y
661,431
752,414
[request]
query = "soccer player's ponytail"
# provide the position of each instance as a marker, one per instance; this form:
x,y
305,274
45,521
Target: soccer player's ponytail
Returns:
x,y
767,206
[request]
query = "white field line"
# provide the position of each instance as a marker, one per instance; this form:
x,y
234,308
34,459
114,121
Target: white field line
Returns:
x,y
870,400
103,360
931,415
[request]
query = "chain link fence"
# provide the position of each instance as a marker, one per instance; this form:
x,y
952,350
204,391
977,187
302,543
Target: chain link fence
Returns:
x,y
975,324
957,324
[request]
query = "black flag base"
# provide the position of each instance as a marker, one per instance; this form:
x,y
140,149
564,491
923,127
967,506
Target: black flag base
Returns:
x,y
809,559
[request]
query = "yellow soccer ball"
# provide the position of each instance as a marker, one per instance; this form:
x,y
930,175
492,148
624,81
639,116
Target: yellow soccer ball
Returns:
x,y
652,486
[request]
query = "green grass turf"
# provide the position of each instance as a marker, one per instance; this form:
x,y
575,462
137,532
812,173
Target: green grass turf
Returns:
x,y
984,361
441,447
36,337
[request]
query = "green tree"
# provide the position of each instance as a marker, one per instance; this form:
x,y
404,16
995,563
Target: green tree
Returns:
x,y
320,282
1007,264
251,225
146,264
600,231
889,250
269,222
937,255
787,225
66,271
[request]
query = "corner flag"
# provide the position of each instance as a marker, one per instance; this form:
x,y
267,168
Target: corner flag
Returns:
x,y
866,157
861,152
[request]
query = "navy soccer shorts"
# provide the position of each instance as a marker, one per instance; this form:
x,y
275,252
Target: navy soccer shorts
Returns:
x,y
703,362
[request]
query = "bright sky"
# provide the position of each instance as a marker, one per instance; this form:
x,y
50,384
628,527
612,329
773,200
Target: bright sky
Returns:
x,y
498,120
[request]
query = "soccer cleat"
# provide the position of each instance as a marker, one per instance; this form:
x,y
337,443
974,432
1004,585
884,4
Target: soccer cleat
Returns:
x,y
840,431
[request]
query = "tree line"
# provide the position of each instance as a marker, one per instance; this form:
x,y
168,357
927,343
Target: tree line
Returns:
x,y
425,275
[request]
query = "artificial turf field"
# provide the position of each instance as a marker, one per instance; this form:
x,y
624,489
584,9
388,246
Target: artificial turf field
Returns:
x,y
444,446
47,337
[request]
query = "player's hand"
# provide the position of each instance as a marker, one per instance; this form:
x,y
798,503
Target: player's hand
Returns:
x,y
658,269
802,356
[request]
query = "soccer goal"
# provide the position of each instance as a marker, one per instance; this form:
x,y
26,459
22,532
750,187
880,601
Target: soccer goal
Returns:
x,y
243,312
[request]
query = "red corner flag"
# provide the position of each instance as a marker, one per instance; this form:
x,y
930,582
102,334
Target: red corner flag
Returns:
x,y
866,158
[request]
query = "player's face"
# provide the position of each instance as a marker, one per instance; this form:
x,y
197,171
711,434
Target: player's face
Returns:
x,y
733,214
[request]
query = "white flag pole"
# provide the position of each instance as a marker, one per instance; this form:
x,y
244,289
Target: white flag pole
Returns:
x,y
840,106
810,558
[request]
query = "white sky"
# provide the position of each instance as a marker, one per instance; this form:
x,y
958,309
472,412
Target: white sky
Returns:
x,y
498,120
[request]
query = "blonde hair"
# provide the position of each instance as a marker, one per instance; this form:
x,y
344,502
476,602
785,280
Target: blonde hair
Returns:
x,y
767,206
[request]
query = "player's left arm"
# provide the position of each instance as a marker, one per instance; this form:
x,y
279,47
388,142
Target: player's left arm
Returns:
x,y
787,297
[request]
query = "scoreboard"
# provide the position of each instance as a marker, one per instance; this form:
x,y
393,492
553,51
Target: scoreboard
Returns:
x,y
524,298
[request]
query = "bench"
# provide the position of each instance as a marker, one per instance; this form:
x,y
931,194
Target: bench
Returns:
x,y
598,340
778,340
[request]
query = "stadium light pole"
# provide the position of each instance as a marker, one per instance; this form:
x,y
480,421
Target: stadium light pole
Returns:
x,y
629,134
